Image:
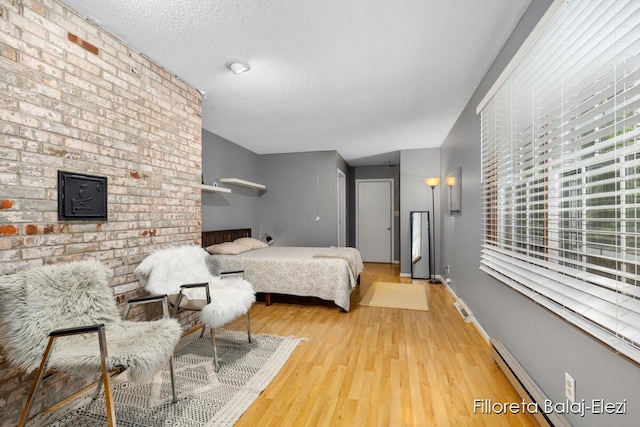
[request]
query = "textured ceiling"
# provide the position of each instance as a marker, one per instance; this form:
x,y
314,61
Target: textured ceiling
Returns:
x,y
363,77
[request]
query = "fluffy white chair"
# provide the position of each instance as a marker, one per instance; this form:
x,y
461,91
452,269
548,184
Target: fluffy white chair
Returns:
x,y
181,272
49,316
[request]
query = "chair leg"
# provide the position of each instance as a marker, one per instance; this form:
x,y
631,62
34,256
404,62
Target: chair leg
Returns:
x,y
173,379
248,328
108,392
36,382
202,331
216,363
98,388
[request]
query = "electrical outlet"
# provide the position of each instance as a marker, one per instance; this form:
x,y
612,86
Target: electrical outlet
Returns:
x,y
569,387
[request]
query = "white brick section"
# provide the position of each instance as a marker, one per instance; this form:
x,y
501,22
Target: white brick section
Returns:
x,y
113,114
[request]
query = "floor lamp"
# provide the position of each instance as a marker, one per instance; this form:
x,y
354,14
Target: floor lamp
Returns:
x,y
433,183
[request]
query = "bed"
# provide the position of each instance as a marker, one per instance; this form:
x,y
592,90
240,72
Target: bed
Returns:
x,y
330,274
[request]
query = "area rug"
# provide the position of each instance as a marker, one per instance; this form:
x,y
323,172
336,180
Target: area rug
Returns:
x,y
205,398
396,295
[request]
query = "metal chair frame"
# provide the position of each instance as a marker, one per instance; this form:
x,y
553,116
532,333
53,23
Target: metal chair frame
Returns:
x,y
176,310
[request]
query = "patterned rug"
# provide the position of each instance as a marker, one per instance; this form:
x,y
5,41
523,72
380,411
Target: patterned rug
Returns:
x,y
204,397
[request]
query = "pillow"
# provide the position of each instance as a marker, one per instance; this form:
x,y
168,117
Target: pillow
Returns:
x,y
250,243
227,248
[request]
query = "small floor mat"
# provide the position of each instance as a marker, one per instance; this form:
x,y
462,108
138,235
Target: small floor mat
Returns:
x,y
396,295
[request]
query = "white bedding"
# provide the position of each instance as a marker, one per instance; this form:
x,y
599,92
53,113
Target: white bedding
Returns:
x,y
297,271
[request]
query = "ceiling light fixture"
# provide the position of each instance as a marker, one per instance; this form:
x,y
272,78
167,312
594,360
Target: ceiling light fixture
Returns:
x,y
237,67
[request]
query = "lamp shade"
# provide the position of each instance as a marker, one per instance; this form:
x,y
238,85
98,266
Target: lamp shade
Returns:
x,y
451,181
432,182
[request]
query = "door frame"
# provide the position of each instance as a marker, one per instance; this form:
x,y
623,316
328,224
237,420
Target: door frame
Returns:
x,y
342,208
391,182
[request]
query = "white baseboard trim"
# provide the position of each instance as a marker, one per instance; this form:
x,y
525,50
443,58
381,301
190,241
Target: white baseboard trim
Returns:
x,y
473,320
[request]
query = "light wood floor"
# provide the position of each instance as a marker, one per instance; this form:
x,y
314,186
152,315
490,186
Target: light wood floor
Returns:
x,y
379,366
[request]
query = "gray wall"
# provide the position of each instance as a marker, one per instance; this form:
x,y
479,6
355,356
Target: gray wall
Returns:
x,y
415,195
224,159
544,344
377,172
300,188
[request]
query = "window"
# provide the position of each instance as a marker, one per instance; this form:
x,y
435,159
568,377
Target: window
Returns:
x,y
561,170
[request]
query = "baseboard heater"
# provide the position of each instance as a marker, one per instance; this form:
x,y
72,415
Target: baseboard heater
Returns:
x,y
524,385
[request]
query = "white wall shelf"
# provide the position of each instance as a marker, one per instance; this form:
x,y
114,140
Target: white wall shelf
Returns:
x,y
243,183
213,189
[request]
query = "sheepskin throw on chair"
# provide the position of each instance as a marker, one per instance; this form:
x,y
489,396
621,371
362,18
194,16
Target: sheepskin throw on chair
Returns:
x,y
182,274
39,300
165,270
51,315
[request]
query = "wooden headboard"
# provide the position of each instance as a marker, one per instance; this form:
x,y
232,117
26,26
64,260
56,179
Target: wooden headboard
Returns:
x,y
221,236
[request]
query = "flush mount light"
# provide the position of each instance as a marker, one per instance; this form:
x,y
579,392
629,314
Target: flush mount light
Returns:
x,y
237,67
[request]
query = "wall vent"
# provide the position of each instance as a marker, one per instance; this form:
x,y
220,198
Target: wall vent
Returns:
x,y
524,385
463,310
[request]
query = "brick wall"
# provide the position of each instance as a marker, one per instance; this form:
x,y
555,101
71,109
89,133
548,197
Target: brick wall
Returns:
x,y
77,99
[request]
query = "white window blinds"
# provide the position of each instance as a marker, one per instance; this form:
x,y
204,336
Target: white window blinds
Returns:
x,y
561,171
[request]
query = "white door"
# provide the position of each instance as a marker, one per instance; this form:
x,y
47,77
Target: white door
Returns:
x,y
342,209
374,232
